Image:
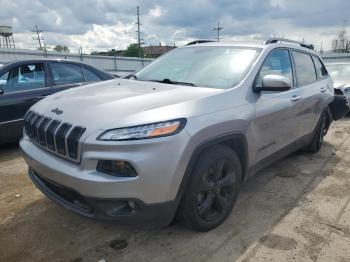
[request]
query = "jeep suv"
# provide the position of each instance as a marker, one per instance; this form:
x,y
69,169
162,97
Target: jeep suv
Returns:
x,y
179,137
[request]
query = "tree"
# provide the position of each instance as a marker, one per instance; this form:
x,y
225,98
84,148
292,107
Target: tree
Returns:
x,y
133,50
60,49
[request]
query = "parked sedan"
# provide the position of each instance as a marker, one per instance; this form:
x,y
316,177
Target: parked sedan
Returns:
x,y
340,72
23,83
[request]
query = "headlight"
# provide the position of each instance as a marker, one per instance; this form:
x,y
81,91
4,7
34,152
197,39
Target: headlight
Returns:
x,y
159,129
346,89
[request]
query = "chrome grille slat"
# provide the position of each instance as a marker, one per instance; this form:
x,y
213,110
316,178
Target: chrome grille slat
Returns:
x,y
57,137
73,141
41,130
50,134
27,119
60,138
36,119
30,125
36,127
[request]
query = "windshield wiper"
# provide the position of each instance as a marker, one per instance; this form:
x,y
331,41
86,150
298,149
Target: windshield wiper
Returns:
x,y
168,81
130,76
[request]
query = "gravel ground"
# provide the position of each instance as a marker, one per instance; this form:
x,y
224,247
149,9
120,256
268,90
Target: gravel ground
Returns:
x,y
296,210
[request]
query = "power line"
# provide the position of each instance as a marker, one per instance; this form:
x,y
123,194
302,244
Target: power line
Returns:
x,y
218,29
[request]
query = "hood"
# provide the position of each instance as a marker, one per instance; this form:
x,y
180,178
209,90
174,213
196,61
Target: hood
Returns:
x,y
341,82
121,102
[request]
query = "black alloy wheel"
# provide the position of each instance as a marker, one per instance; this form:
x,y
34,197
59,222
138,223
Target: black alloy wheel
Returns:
x,y
212,190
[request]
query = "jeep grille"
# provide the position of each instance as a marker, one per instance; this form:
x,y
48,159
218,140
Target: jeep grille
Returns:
x,y
55,136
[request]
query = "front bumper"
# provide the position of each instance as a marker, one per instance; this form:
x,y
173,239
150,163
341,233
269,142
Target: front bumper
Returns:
x,y
160,165
122,210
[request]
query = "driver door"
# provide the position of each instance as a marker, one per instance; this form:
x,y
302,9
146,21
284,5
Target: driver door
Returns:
x,y
275,125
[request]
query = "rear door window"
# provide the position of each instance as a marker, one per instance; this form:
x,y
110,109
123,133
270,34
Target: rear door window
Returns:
x,y
64,73
23,77
304,67
90,76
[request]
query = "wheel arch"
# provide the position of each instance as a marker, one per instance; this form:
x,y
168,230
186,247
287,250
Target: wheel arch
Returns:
x,y
236,141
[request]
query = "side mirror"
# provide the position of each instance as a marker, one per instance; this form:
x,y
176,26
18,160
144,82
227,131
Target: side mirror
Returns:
x,y
2,91
275,83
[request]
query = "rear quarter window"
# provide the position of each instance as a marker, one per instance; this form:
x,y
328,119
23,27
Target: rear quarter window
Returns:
x,y
64,73
321,70
90,76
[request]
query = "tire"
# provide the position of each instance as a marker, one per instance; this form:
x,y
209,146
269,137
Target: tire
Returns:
x,y
317,140
212,189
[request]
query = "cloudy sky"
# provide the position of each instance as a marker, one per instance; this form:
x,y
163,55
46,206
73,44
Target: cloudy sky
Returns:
x,y
106,24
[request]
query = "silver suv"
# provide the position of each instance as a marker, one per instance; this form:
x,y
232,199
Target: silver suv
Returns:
x,y
180,136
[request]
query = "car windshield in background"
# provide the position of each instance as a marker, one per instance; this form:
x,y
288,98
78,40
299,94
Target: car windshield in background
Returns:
x,y
339,70
206,66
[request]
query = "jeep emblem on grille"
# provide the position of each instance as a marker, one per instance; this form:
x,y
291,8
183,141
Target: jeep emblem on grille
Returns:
x,y
56,111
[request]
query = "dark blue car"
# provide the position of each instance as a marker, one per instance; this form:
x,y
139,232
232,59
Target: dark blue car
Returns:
x,y
23,83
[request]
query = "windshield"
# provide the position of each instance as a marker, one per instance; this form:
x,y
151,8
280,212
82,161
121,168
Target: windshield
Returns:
x,y
217,67
339,70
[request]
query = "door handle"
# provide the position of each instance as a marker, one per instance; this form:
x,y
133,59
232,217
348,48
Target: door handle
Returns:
x,y
295,98
323,89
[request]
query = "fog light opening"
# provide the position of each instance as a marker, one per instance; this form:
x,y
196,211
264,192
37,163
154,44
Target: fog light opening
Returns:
x,y
117,168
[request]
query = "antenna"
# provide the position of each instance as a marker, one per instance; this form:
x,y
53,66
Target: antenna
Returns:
x,y
38,32
218,29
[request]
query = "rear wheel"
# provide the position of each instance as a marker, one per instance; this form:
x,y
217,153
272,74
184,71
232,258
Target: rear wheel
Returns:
x,y
212,190
318,138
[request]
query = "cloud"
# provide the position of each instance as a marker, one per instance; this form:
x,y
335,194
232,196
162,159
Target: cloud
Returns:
x,y
106,24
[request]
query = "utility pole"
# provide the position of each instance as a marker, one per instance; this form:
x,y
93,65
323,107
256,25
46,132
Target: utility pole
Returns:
x,y
81,53
218,29
45,50
37,31
138,27
139,39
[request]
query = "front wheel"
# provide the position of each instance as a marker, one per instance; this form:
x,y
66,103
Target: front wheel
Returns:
x,y
212,190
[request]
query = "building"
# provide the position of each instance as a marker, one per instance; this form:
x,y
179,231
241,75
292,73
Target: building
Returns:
x,y
342,43
156,50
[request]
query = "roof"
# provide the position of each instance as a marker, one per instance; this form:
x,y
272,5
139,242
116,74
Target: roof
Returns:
x,y
44,59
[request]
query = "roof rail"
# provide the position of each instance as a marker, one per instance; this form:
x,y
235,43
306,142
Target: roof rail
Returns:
x,y
200,41
277,39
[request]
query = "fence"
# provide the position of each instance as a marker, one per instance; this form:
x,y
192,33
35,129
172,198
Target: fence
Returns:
x,y
336,57
120,65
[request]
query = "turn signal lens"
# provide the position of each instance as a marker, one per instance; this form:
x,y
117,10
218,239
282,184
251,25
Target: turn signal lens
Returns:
x,y
161,131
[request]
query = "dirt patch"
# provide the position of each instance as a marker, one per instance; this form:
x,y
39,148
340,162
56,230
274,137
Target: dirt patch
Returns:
x,y
336,190
118,244
314,241
278,242
288,173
